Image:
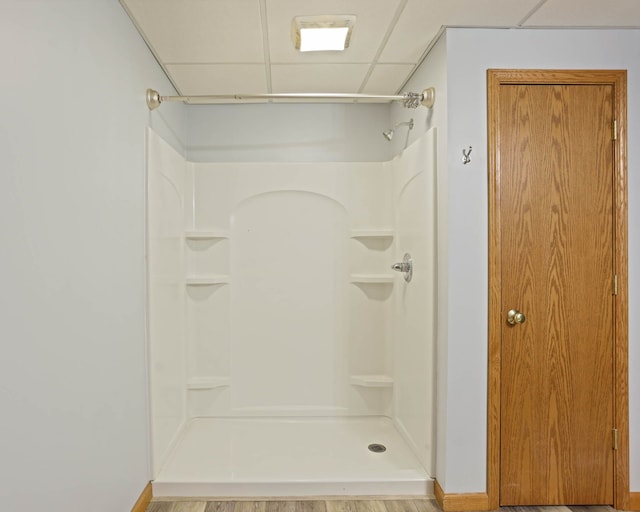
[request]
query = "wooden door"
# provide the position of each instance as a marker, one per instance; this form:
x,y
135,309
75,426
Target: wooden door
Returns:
x,y
555,152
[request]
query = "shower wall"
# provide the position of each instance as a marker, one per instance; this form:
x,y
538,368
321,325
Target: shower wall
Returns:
x,y
299,307
414,312
277,276
166,294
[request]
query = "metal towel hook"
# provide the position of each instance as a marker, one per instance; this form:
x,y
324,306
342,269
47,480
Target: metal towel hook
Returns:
x,y
466,155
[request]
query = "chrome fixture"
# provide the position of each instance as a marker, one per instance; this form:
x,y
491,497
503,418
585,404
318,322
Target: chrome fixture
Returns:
x,y
388,134
515,317
425,98
406,267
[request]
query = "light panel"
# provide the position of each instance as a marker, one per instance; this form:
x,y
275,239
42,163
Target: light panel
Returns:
x,y
323,39
322,33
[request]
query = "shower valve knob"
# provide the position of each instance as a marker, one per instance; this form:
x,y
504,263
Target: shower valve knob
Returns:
x,y
405,266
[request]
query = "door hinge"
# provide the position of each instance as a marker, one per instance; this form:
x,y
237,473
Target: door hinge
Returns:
x,y
615,438
615,129
615,284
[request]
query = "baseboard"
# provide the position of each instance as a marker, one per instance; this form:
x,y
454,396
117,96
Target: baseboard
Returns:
x,y
144,499
367,497
480,501
461,502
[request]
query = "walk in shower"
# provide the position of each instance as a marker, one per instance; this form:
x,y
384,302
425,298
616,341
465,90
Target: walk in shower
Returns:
x,y
287,358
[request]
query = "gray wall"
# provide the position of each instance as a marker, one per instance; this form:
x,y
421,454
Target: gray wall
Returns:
x,y
270,132
73,399
463,382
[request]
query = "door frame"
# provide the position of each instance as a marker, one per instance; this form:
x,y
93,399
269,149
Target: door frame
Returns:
x,y
618,79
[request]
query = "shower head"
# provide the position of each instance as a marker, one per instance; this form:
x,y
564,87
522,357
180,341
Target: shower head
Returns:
x,y
388,134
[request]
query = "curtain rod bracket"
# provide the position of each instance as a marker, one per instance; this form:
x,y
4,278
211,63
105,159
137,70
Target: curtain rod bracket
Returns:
x,y
426,98
429,97
153,99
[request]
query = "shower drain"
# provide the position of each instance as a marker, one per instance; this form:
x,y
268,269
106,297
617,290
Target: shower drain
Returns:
x,y
377,448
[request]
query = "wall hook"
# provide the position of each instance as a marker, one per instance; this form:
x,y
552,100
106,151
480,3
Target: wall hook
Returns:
x,y
466,155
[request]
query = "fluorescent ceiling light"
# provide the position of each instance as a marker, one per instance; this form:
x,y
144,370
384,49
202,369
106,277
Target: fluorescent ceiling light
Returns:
x,y
322,33
322,39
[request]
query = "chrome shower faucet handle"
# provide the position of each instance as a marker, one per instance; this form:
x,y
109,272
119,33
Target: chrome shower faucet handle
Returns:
x,y
405,266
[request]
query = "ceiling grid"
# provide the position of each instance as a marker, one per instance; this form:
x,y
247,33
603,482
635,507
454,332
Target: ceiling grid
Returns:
x,y
245,46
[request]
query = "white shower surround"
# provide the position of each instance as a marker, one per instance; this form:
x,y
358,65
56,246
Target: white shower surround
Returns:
x,y
234,249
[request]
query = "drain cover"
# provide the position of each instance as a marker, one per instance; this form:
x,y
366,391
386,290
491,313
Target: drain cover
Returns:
x,y
377,448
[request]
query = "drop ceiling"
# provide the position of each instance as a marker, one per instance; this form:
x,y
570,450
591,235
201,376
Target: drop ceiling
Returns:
x,y
245,46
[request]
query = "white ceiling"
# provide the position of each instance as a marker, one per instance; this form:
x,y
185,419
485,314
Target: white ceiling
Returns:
x,y
245,46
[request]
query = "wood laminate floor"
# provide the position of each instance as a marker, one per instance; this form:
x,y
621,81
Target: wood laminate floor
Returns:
x,y
336,506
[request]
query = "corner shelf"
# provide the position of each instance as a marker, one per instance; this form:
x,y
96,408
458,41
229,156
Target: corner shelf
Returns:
x,y
206,280
372,233
206,235
202,383
371,278
372,381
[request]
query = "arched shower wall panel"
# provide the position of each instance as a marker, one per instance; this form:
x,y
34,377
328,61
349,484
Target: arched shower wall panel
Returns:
x,y
280,339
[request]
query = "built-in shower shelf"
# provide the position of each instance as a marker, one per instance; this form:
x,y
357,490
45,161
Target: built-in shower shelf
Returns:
x,y
206,235
372,381
372,278
206,280
208,382
372,233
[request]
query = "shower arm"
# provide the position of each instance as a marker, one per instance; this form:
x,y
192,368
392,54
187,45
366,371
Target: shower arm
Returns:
x,y
409,99
408,123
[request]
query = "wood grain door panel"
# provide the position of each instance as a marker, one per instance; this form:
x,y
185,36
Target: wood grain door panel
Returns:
x,y
556,221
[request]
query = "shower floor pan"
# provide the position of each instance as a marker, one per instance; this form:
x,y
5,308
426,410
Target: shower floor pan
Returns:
x,y
244,457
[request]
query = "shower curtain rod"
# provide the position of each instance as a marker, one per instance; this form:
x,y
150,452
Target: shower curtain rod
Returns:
x,y
409,99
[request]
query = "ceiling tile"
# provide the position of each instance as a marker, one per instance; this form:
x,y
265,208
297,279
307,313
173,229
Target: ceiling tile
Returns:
x,y
421,20
201,31
202,79
387,78
333,78
372,21
587,13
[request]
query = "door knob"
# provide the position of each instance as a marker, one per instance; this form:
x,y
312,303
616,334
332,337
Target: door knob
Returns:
x,y
515,317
